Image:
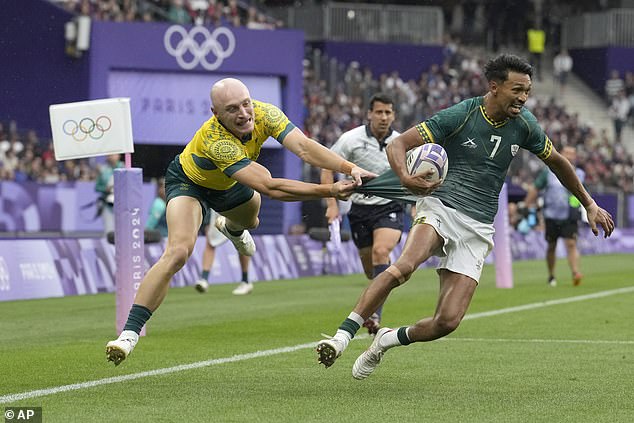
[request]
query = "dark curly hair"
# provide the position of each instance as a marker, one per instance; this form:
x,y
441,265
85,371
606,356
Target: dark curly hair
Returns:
x,y
497,69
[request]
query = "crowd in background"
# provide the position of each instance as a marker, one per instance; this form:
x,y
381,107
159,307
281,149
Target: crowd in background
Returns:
x,y
332,109
25,157
201,12
335,103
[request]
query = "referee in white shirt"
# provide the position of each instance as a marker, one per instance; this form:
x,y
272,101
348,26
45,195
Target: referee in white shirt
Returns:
x,y
376,223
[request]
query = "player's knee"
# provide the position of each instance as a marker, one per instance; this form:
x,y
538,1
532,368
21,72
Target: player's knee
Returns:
x,y
176,256
380,253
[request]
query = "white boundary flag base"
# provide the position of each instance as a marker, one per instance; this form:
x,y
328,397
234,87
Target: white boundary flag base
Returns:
x,y
99,128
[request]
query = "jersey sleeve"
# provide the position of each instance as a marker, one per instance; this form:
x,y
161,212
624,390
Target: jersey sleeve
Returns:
x,y
276,124
441,125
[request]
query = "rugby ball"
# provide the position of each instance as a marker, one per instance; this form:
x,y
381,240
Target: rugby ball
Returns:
x,y
428,156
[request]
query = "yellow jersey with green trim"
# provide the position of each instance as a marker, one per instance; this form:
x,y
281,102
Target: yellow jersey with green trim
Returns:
x,y
480,152
214,153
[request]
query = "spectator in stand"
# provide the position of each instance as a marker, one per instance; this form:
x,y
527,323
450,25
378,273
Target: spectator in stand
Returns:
x,y
198,11
562,65
613,85
619,111
177,13
536,45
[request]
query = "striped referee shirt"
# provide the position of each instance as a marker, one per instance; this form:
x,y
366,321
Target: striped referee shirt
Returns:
x,y
360,147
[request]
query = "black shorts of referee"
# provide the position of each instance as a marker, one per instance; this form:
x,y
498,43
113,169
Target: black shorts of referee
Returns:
x,y
364,219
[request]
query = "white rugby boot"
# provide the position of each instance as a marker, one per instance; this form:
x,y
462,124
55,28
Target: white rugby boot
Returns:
x,y
119,349
243,289
201,286
367,362
243,243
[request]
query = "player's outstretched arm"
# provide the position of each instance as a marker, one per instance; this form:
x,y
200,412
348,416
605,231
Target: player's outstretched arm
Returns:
x,y
317,155
564,171
332,208
259,178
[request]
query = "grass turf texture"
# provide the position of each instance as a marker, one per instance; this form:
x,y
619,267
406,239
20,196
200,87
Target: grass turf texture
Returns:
x,y
540,365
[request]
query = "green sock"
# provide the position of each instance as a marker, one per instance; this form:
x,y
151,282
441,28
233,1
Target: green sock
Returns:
x,y
138,316
402,336
204,275
352,324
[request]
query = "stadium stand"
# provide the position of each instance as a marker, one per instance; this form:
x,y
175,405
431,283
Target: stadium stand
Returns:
x,y
335,95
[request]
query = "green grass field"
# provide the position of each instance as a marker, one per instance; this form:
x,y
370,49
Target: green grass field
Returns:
x,y
568,356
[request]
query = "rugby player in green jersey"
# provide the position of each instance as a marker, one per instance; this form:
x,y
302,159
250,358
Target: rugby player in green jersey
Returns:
x,y
218,170
454,221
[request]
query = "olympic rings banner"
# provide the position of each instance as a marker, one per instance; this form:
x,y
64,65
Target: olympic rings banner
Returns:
x,y
91,128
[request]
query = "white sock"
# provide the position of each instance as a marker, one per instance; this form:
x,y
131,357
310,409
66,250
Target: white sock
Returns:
x,y
390,340
344,337
129,334
356,318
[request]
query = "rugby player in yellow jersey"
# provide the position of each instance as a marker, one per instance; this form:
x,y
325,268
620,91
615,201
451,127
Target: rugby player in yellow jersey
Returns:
x,y
217,170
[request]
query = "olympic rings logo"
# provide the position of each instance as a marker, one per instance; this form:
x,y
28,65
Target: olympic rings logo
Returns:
x,y
187,43
87,127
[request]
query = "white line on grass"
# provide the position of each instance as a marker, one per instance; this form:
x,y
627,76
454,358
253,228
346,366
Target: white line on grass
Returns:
x,y
164,371
542,341
265,353
549,303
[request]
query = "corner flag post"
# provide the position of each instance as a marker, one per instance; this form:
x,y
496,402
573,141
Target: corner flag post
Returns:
x,y
502,246
98,128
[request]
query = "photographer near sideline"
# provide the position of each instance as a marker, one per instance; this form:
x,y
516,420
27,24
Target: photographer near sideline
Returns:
x,y
105,187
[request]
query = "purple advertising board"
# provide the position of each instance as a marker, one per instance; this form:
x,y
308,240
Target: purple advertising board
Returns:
x,y
59,267
64,207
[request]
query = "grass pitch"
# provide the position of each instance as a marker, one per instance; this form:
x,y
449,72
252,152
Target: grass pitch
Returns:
x,y
527,354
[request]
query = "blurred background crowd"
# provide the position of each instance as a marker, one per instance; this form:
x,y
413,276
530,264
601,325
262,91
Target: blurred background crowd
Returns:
x,y
336,94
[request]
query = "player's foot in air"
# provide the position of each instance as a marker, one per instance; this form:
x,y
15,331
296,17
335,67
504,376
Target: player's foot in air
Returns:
x,y
201,286
576,279
119,349
373,324
243,289
243,242
367,362
328,350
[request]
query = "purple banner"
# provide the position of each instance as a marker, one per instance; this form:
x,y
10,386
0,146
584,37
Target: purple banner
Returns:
x,y
168,109
630,211
63,207
55,268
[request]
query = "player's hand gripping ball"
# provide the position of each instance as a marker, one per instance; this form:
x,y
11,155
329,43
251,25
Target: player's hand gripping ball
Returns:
x,y
428,156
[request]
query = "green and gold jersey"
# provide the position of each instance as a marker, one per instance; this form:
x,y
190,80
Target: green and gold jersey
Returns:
x,y
214,154
480,152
